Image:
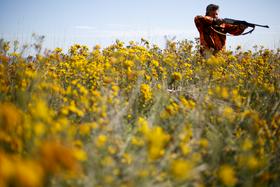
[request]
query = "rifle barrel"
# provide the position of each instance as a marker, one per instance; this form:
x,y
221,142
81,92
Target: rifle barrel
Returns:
x,y
265,26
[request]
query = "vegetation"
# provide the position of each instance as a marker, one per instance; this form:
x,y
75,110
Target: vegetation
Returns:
x,y
138,115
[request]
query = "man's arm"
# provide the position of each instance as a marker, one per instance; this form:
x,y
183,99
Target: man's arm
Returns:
x,y
203,20
235,29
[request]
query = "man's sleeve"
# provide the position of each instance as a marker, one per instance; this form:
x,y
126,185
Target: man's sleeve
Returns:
x,y
233,29
201,21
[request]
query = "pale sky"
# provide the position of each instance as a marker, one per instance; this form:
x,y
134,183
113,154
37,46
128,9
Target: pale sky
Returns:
x,y
91,22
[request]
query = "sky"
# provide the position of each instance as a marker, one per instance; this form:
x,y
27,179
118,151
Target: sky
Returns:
x,y
91,22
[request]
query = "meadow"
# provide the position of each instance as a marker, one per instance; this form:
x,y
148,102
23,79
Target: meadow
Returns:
x,y
138,115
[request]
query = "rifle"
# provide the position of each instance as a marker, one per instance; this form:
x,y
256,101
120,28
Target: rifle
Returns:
x,y
239,22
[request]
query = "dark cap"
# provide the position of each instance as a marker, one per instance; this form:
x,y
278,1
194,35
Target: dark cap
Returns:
x,y
211,7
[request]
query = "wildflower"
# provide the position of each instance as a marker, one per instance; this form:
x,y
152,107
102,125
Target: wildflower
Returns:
x,y
75,110
252,162
84,129
182,169
158,86
227,175
126,158
97,47
177,76
146,92
129,63
54,160
57,50
156,139
6,167
172,109
224,93
112,149
10,117
115,90
236,97
137,141
185,148
247,144
155,63
107,161
101,140
80,154
143,125
189,104
215,61
41,111
28,173
143,173
203,142
39,129
228,113
6,46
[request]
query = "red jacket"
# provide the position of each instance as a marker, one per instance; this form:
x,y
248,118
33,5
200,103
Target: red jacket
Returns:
x,y
211,39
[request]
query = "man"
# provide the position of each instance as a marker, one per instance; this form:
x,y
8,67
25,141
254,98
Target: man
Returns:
x,y
213,31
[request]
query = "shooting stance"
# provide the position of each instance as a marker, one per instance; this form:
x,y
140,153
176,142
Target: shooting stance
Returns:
x,y
213,30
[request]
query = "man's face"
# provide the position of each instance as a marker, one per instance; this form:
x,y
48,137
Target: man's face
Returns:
x,y
214,13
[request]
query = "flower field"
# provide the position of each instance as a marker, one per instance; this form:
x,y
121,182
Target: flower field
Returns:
x,y
138,115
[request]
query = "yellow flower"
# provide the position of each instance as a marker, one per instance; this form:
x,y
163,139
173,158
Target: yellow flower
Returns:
x,y
28,173
143,126
126,158
252,162
227,175
189,104
229,113
75,110
177,76
137,141
224,93
155,152
101,140
6,167
155,63
203,142
41,110
129,63
54,160
247,144
107,161
39,129
182,169
185,148
80,154
84,129
20,172
159,86
171,109
10,117
215,61
112,150
146,92
156,139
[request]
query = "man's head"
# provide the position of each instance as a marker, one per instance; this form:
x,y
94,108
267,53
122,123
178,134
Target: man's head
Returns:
x,y
212,10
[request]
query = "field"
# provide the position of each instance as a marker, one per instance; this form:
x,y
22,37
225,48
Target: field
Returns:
x,y
138,115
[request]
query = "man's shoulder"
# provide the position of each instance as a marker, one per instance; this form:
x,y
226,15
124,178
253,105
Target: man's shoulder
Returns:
x,y
203,17
198,16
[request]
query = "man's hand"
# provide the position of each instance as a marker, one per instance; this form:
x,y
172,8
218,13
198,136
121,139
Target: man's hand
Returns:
x,y
217,21
243,27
